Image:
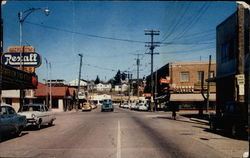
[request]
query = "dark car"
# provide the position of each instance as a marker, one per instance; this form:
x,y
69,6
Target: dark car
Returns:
x,y
107,105
231,119
10,121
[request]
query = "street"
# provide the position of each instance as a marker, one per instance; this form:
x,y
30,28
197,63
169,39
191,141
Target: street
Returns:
x,y
121,134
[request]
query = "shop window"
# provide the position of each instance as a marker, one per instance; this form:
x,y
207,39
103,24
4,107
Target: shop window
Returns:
x,y
200,73
184,76
228,50
211,74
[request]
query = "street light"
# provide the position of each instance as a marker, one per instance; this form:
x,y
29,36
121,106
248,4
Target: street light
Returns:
x,y
22,16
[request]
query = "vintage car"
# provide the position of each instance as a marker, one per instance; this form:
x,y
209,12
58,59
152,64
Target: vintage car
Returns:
x,y
10,121
37,115
231,119
143,107
86,107
107,105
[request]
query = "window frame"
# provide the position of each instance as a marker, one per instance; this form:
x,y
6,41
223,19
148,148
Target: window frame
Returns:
x,y
181,76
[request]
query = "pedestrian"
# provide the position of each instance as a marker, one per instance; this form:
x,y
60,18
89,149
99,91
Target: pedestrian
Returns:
x,y
173,111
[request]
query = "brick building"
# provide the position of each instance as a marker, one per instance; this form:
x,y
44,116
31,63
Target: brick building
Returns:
x,y
183,83
233,58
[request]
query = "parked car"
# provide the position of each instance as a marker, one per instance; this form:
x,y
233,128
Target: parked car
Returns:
x,y
125,105
231,119
107,105
136,106
133,105
10,121
86,107
93,106
37,115
142,107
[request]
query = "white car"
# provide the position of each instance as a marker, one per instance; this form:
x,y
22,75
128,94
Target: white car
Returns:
x,y
125,105
133,105
142,107
37,115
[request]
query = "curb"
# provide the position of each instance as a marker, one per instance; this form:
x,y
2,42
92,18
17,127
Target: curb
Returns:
x,y
199,120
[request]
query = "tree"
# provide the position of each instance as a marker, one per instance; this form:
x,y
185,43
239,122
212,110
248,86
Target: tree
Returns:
x,y
123,76
97,80
117,77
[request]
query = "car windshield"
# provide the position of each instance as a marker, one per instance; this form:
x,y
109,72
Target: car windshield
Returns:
x,y
31,108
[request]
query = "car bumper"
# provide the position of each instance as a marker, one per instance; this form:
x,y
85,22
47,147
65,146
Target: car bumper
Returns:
x,y
32,122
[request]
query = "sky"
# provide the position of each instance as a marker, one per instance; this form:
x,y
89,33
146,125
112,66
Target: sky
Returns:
x,y
110,34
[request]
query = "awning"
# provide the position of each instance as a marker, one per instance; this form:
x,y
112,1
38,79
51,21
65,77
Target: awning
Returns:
x,y
12,79
191,97
161,97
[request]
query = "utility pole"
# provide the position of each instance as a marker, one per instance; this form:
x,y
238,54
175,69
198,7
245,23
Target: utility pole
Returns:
x,y
138,73
50,91
156,89
208,83
46,83
152,46
78,89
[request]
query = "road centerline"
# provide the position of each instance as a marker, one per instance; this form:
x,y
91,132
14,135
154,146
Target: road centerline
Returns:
x,y
118,140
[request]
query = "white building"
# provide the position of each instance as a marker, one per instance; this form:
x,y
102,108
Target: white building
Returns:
x,y
103,87
121,88
83,83
97,99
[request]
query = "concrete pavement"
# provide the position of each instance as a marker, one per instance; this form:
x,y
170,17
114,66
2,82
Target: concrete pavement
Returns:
x,y
122,134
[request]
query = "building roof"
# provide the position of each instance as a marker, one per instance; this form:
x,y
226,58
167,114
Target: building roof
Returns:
x,y
43,90
192,63
71,91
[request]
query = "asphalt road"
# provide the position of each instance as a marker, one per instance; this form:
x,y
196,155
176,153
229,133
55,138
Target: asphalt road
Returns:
x,y
119,134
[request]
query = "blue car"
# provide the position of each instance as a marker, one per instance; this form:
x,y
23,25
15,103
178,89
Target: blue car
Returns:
x,y
107,105
10,121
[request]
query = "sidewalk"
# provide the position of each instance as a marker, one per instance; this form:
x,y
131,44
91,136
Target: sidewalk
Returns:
x,y
221,142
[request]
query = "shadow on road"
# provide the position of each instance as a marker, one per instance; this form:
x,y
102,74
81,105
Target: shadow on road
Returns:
x,y
34,128
179,120
12,136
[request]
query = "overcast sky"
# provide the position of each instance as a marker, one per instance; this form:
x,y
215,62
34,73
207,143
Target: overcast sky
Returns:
x,y
108,34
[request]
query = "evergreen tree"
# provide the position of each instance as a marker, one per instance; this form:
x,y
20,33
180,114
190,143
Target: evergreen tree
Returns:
x,y
117,77
97,80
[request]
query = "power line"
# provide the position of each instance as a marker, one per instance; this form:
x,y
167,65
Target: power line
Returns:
x,y
180,18
186,51
84,34
194,20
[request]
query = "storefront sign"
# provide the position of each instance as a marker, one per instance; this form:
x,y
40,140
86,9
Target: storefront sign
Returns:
x,y
147,95
26,59
240,79
164,80
26,49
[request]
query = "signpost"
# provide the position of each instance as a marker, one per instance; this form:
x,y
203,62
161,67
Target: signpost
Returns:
x,y
28,61
241,82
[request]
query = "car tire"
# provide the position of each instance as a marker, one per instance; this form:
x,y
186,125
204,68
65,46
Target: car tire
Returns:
x,y
51,123
212,126
38,126
234,131
19,132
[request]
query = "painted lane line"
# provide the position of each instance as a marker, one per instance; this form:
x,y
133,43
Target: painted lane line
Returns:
x,y
118,140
